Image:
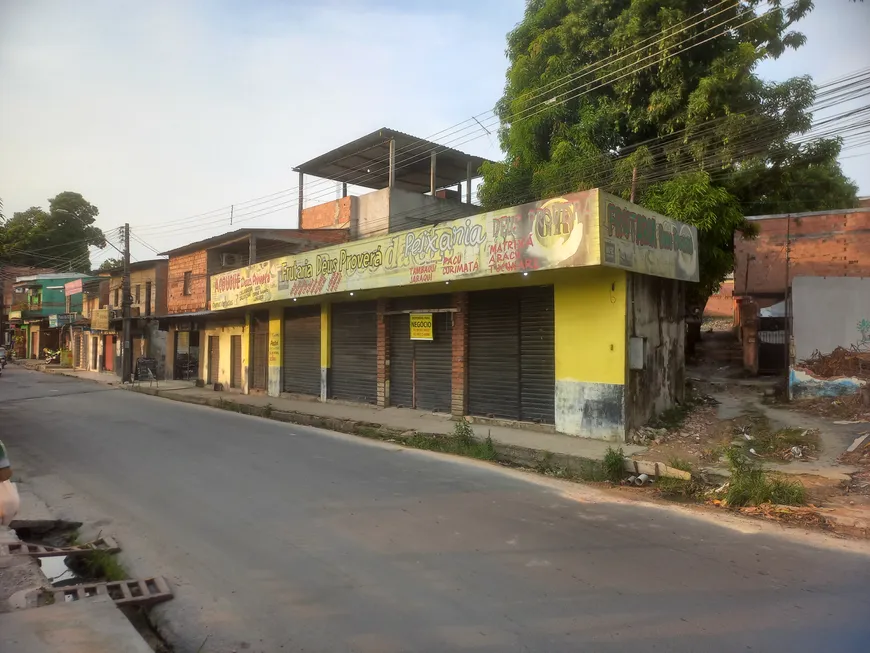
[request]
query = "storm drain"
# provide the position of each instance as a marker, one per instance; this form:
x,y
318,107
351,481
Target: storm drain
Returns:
x,y
105,544
143,592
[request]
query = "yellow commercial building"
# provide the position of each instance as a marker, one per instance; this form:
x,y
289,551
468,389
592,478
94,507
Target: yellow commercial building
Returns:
x,y
566,312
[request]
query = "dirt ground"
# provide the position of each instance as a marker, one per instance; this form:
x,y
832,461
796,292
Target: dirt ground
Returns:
x,y
725,408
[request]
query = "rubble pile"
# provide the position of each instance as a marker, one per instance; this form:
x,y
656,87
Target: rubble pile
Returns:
x,y
840,362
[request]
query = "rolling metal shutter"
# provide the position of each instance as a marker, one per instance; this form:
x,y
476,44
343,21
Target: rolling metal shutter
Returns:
x,y
511,354
302,350
433,366
537,355
260,352
354,373
420,370
236,358
401,361
214,359
493,353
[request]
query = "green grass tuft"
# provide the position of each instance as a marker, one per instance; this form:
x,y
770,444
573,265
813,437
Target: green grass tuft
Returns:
x,y
750,485
614,464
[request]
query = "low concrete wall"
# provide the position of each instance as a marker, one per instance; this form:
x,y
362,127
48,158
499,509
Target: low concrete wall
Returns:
x,y
802,385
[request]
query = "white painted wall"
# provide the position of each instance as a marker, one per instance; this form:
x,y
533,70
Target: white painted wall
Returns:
x,y
829,312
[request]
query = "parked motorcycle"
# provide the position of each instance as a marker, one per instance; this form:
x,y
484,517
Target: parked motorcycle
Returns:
x,y
52,355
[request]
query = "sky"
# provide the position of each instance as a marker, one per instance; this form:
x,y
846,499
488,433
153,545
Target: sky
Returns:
x,y
165,113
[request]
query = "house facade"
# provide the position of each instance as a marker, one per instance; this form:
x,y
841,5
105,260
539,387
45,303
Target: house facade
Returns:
x,y
188,320
41,316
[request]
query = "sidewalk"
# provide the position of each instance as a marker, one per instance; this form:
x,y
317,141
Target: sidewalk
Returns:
x,y
402,419
517,445
94,625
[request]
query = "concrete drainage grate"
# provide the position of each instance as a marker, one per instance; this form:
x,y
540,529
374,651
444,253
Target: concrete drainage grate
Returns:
x,y
106,544
144,592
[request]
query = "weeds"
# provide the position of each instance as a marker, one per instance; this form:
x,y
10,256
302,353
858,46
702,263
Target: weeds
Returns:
x,y
99,565
767,442
267,410
750,485
680,463
614,464
461,442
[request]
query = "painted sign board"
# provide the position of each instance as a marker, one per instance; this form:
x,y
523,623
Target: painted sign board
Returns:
x,y
100,319
576,230
61,319
72,288
14,315
421,326
643,241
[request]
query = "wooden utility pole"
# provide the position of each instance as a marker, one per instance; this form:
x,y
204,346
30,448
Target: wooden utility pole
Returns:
x,y
633,184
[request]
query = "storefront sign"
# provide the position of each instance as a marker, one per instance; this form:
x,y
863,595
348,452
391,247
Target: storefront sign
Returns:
x,y
61,319
568,231
72,287
646,242
14,315
421,326
100,319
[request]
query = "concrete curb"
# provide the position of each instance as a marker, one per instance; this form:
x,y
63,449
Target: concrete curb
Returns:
x,y
558,464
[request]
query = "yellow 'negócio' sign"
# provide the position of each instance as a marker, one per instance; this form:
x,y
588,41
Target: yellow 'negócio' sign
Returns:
x,y
581,229
421,326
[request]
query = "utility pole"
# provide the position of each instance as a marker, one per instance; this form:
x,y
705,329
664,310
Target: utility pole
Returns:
x,y
126,345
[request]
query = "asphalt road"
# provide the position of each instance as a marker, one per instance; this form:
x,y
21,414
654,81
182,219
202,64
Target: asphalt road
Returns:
x,y
283,538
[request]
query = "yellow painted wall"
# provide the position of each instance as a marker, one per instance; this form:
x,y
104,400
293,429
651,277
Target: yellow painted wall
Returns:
x,y
325,330
224,334
590,326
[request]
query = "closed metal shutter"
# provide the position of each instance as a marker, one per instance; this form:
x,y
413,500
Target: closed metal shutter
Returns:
x,y
302,350
537,355
420,370
354,352
493,354
260,352
401,361
511,354
236,357
433,366
214,360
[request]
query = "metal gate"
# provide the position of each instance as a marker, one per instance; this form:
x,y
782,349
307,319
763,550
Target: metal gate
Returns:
x,y
354,343
214,359
302,350
80,349
511,354
260,352
236,361
421,370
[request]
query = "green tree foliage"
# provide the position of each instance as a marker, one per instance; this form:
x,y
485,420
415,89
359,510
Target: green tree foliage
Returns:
x,y
59,237
601,92
111,264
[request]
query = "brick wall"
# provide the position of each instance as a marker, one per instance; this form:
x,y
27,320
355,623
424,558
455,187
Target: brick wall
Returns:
x,y
177,301
835,244
459,389
722,303
383,357
328,215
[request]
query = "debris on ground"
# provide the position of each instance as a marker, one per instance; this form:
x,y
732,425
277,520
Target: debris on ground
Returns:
x,y
840,362
848,409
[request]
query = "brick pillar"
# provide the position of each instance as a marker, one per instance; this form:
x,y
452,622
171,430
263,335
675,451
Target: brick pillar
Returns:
x,y
383,354
749,335
459,386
